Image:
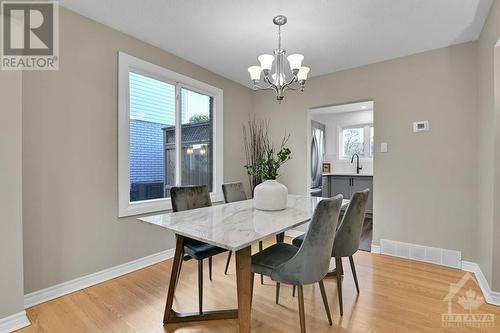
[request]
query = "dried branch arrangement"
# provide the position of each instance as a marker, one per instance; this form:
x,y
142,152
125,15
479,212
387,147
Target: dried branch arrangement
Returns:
x,y
255,137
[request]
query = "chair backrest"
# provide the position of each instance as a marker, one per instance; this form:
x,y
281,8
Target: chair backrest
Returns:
x,y
349,232
233,192
189,197
312,261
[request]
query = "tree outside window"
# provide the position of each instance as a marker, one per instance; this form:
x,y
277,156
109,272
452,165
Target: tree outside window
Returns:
x,y
357,140
353,139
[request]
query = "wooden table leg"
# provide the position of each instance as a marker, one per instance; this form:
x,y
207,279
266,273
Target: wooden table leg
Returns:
x,y
244,282
174,276
172,316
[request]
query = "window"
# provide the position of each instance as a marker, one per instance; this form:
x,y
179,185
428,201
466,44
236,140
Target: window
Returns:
x,y
356,140
170,133
353,141
196,139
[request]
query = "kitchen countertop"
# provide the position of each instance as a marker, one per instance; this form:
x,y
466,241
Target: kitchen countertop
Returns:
x,y
348,174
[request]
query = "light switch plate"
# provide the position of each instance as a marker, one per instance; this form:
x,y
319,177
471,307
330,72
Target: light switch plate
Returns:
x,y
383,147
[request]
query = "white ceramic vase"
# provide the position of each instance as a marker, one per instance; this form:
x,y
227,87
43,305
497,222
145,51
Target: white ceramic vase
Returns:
x,y
270,195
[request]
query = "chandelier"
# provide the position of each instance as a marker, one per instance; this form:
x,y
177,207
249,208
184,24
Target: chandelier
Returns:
x,y
278,81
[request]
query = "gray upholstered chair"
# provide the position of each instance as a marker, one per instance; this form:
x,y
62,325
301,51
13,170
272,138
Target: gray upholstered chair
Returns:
x,y
347,239
235,192
232,192
309,264
192,197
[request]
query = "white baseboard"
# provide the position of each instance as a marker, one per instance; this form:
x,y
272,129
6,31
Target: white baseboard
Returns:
x,y
68,287
491,297
375,249
434,255
14,322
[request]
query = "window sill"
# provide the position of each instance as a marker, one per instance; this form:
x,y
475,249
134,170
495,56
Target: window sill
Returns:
x,y
157,206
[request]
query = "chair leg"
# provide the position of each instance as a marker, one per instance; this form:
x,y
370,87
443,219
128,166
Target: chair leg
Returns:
x,y
302,314
353,269
325,301
200,286
228,261
293,290
280,238
277,292
261,247
210,268
340,272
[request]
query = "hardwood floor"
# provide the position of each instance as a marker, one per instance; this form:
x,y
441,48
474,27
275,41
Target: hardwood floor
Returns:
x,y
397,295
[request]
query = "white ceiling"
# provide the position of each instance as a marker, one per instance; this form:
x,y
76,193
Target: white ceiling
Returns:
x,y
226,36
342,108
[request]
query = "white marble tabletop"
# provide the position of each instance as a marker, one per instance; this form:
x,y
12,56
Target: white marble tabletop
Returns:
x,y
237,225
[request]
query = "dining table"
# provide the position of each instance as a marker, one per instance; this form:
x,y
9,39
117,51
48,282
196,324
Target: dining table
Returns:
x,y
233,226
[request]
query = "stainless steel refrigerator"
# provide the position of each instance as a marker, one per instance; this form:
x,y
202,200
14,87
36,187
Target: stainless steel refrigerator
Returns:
x,y
317,154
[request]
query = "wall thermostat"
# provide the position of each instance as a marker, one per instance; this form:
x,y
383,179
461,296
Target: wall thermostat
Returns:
x,y
421,126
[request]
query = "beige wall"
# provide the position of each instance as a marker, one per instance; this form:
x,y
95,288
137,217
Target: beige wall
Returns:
x,y
488,177
70,155
426,185
11,242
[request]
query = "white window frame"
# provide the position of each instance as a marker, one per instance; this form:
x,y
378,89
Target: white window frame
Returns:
x,y
128,63
366,141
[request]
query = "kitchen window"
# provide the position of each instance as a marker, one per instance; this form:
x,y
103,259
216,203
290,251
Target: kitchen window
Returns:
x,y
357,139
170,133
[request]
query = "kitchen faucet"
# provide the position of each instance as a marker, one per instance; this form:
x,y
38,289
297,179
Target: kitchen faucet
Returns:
x,y
357,163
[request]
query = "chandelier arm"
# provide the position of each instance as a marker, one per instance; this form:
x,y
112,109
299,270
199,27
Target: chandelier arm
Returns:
x,y
288,86
271,85
257,87
274,87
294,79
267,80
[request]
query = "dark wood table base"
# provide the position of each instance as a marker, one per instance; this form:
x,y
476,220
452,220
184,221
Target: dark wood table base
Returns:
x,y
244,278
175,317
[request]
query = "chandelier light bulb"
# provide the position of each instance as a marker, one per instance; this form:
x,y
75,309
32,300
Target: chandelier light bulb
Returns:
x,y
266,61
295,61
255,72
302,75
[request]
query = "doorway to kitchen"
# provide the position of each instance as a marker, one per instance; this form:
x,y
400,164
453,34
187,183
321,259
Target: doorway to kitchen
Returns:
x,y
342,151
